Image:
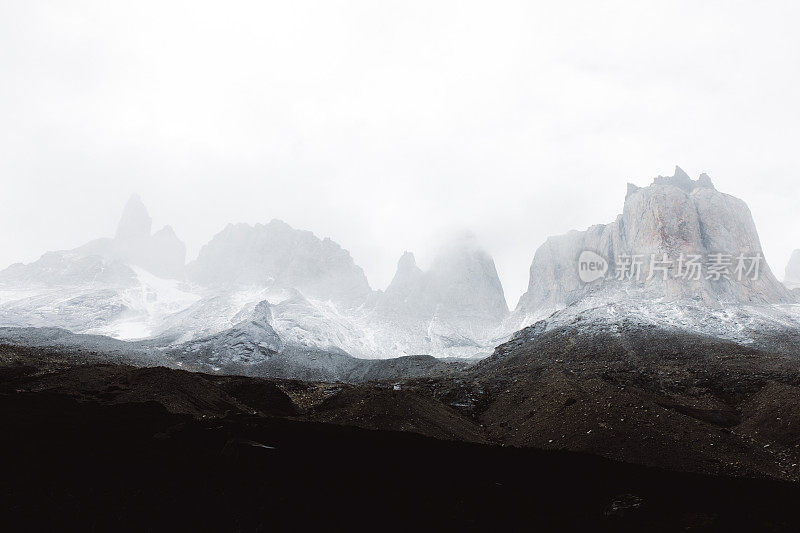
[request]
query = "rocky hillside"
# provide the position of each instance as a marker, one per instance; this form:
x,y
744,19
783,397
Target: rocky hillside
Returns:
x,y
580,438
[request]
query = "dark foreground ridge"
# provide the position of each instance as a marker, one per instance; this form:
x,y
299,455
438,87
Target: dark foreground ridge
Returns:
x,y
116,447
136,466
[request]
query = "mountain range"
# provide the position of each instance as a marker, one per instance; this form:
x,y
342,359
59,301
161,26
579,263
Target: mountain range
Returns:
x,y
261,295
651,379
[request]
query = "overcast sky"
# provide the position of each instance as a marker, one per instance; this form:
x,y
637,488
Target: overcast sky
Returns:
x,y
387,125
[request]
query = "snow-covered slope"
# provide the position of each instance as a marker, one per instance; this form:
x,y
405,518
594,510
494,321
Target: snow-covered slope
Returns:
x,y
594,322
130,310
122,286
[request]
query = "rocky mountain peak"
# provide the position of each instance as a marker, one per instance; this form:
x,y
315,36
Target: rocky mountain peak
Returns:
x,y
704,181
457,302
167,232
407,279
279,256
161,253
683,181
465,277
673,218
135,222
407,262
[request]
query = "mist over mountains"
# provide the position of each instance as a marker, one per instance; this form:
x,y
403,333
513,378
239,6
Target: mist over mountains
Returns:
x,y
257,291
278,287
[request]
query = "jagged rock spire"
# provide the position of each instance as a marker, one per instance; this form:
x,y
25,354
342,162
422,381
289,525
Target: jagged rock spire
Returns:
x,y
135,222
162,253
680,174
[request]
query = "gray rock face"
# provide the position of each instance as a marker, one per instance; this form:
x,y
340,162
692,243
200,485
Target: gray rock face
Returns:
x,y
675,216
461,286
277,255
792,275
456,304
463,279
406,291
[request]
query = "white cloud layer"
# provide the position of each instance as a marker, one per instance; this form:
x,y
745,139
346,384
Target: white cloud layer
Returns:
x,y
387,124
